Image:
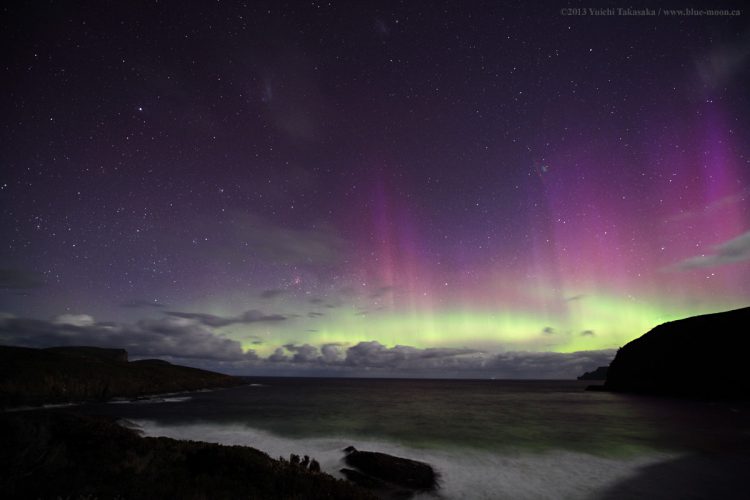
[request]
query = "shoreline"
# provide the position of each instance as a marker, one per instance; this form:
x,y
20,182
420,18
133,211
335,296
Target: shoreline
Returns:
x,y
115,399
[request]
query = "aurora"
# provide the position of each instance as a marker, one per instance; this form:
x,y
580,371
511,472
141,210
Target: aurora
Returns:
x,y
266,191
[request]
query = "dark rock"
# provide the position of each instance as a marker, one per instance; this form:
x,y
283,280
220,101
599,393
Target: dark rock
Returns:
x,y
596,388
398,471
703,356
598,374
383,489
146,362
364,480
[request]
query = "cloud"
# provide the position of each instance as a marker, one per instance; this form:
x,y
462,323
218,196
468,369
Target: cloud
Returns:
x,y
547,365
287,245
375,359
165,337
734,250
713,207
292,95
304,353
588,333
18,279
374,354
315,314
271,294
189,339
722,64
278,356
74,320
331,353
380,292
252,316
327,355
548,330
141,303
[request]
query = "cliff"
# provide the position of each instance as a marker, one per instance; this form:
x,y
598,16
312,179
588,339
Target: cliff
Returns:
x,y
68,374
49,454
703,356
598,374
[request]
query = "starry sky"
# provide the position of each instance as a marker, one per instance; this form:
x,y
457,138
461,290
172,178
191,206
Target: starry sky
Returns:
x,y
430,188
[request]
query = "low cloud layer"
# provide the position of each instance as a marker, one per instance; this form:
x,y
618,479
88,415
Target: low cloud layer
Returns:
x,y
734,250
280,244
192,338
253,316
165,337
375,359
142,303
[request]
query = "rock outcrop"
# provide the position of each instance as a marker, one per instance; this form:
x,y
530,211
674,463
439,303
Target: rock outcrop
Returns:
x,y
387,474
50,454
598,374
703,356
71,374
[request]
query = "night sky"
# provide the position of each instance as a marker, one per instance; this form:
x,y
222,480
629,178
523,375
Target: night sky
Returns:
x,y
461,188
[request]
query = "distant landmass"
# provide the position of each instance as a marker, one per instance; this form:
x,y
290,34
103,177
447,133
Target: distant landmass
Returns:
x,y
31,377
703,356
52,454
598,374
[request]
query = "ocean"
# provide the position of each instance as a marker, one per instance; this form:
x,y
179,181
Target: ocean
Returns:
x,y
488,439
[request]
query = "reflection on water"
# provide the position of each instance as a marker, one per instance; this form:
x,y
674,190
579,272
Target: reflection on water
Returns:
x,y
480,415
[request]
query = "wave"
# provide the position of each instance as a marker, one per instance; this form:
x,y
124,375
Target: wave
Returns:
x,y
152,400
464,474
40,407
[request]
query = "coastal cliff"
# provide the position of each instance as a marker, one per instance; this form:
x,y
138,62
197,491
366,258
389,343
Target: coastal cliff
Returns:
x,y
71,374
702,356
599,374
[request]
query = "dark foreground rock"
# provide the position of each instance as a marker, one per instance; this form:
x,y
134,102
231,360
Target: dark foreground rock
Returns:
x,y
394,476
702,357
70,374
598,374
46,454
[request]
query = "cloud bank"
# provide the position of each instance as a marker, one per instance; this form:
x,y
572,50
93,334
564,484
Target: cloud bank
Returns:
x,y
192,338
166,337
734,250
211,320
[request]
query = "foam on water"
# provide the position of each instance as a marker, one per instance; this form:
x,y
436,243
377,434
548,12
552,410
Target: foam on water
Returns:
x,y
43,407
464,474
152,400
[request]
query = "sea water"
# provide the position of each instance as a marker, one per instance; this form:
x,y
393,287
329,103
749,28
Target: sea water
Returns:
x,y
486,439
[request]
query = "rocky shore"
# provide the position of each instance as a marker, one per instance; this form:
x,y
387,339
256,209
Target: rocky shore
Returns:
x,y
64,454
54,454
388,475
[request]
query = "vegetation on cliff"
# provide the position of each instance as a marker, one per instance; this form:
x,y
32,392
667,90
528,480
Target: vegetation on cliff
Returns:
x,y
68,374
51,454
